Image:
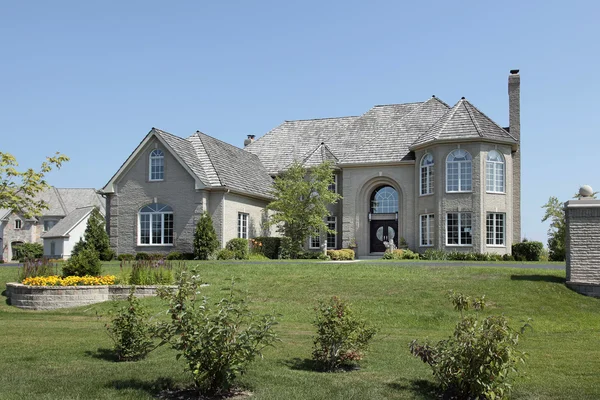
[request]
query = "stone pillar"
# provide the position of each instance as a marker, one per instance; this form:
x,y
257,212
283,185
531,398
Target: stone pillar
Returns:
x,y
583,244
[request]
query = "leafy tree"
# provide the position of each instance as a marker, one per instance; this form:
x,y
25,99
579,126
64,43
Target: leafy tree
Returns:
x,y
558,227
205,238
18,189
301,200
95,237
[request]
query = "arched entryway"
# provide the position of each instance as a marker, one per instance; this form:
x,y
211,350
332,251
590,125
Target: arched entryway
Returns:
x,y
383,218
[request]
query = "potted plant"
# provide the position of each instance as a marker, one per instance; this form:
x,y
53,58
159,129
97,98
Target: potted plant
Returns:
x,y
352,244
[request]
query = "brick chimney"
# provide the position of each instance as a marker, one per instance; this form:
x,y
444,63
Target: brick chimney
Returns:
x,y
249,140
514,120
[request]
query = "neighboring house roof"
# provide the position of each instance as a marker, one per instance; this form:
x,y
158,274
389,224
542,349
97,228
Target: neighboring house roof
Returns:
x,y
66,225
295,141
213,163
464,122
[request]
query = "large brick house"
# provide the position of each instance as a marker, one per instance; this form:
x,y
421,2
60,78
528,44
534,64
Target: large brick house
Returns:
x,y
438,176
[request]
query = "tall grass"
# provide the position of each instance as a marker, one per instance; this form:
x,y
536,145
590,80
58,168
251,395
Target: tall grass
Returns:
x,y
147,272
39,267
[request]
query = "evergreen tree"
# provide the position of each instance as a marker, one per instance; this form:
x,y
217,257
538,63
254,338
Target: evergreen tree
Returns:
x,y
95,237
205,238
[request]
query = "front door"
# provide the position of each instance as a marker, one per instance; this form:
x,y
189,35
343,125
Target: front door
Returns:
x,y
383,231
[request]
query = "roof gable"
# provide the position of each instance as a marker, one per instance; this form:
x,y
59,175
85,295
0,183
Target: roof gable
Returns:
x,y
67,224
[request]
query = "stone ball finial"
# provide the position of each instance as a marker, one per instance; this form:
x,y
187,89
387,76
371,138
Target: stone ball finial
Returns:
x,y
586,191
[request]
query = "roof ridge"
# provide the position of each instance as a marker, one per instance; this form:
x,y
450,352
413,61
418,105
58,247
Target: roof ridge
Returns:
x,y
400,120
466,103
318,119
60,200
492,121
441,101
399,104
451,112
208,155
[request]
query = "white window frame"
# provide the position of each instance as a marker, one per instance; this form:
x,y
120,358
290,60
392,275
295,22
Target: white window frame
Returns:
x,y
461,216
243,225
157,158
497,183
157,215
495,238
426,188
461,167
314,241
18,224
429,220
333,186
332,221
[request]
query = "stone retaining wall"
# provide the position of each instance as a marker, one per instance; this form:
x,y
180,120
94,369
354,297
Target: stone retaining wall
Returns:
x,y
53,297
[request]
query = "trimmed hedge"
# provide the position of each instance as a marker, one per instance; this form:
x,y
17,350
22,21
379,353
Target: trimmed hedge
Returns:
x,y
239,247
527,251
341,255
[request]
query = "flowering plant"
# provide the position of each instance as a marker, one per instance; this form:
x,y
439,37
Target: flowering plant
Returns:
x,y
55,280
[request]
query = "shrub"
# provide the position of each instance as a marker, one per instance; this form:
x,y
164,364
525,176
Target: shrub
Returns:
x,y
341,337
433,254
151,272
28,251
341,255
225,254
86,262
286,249
218,341
142,256
410,255
393,255
95,237
527,251
239,246
508,257
477,360
130,330
205,238
125,257
174,255
270,246
311,255
33,268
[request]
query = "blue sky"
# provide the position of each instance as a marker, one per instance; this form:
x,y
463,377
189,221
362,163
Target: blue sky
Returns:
x,y
89,79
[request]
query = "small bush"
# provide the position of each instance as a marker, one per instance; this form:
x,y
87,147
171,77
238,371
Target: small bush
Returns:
x,y
205,238
142,256
28,251
270,246
125,257
131,331
285,249
225,254
341,338
218,341
86,262
527,251
151,272
174,255
239,246
395,254
508,257
476,362
433,254
341,255
310,255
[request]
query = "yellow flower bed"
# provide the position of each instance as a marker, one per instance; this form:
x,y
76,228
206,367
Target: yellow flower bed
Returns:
x,y
70,280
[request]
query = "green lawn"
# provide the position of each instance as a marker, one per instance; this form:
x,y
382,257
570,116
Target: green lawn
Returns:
x,y
64,354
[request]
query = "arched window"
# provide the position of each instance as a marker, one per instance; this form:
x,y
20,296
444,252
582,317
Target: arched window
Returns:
x,y
427,174
494,172
458,171
384,200
157,165
155,225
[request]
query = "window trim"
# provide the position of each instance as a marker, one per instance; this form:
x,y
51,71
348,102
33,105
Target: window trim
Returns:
x,y
165,210
332,219
459,244
310,241
155,158
241,230
374,194
496,165
430,174
494,229
459,164
430,229
334,184
18,222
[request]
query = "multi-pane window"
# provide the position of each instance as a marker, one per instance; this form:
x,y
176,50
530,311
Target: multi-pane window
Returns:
x,y
314,241
333,185
458,171
18,224
494,172
332,237
157,165
427,230
458,229
494,227
156,224
243,225
384,200
48,224
427,174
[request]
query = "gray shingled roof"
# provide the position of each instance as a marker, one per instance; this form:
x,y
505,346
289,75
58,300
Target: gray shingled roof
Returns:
x,y
4,213
295,140
234,168
185,152
464,121
319,155
65,225
78,198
